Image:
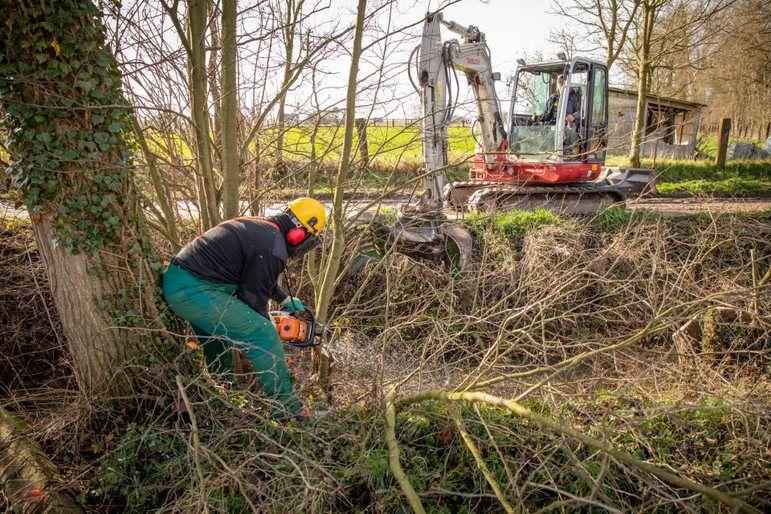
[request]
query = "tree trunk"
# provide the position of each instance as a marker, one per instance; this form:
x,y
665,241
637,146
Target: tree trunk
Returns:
x,y
100,350
313,174
199,106
334,258
254,201
231,169
213,45
638,134
643,75
75,174
289,33
361,133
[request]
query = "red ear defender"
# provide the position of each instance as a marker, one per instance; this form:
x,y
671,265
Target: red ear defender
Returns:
x,y
296,236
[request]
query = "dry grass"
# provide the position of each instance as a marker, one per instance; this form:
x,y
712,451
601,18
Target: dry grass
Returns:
x,y
574,320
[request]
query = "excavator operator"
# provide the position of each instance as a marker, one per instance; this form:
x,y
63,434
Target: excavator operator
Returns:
x,y
549,116
221,283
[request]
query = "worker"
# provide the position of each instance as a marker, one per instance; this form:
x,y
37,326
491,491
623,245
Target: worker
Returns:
x,y
221,283
549,116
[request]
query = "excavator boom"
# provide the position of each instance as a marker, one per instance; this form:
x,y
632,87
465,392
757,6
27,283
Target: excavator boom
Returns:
x,y
438,63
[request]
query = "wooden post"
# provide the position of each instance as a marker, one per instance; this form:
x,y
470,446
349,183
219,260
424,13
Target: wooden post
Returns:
x,y
361,133
722,142
768,130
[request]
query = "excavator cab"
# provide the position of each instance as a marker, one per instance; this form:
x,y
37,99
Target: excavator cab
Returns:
x,y
559,111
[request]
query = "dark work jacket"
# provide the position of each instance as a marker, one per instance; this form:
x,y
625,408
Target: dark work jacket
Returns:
x,y
247,252
552,104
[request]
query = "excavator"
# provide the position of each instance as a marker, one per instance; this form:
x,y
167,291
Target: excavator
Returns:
x,y
547,157
549,154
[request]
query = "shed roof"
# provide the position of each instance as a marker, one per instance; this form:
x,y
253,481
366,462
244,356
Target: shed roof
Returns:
x,y
658,98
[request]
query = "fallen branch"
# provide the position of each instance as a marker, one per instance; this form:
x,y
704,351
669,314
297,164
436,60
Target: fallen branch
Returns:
x,y
29,480
393,456
519,410
482,466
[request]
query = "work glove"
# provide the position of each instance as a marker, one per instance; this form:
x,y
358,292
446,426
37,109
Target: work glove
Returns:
x,y
292,304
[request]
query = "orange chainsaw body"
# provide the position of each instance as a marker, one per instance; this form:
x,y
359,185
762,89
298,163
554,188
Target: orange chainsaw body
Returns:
x,y
289,328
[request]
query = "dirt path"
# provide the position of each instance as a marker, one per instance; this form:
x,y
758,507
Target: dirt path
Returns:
x,y
667,206
693,205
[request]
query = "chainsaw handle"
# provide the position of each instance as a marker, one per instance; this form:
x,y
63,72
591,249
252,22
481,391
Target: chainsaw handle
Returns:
x,y
311,333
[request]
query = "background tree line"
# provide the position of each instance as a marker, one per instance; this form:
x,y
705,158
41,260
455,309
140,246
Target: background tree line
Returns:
x,y
709,51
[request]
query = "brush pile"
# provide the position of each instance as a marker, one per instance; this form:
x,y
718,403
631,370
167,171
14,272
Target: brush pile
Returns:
x,y
571,319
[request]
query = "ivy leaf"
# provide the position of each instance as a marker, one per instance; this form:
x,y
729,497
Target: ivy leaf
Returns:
x,y
87,85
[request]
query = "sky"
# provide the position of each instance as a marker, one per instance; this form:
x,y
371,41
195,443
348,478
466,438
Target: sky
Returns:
x,y
513,29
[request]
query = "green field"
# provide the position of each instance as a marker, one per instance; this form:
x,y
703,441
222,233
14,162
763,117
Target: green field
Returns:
x,y
700,177
392,146
399,149
395,156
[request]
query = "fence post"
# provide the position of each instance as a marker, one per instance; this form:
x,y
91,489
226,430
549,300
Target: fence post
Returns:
x,y
361,131
722,142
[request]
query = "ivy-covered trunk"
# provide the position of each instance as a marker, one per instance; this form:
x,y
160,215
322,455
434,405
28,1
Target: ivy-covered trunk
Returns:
x,y
68,131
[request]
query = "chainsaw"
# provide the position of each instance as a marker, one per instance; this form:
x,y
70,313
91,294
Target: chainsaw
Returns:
x,y
296,331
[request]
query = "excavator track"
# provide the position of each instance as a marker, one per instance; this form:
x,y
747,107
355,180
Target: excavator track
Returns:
x,y
456,194
485,196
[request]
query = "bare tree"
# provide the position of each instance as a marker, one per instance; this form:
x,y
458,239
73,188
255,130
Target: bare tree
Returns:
x,y
201,176
334,258
199,103
733,72
292,14
665,28
606,21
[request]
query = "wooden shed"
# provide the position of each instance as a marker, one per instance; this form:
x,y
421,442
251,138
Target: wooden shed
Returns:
x,y
671,125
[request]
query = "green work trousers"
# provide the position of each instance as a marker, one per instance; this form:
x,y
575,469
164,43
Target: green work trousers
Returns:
x,y
221,320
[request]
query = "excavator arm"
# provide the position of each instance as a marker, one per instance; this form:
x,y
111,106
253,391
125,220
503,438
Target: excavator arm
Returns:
x,y
437,64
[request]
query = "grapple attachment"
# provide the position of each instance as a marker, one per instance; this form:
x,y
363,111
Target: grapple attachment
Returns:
x,y
427,236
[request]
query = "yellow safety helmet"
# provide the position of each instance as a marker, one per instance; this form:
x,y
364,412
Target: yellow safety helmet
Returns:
x,y
310,213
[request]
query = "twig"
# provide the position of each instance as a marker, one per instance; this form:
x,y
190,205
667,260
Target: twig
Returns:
x,y
481,463
196,442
